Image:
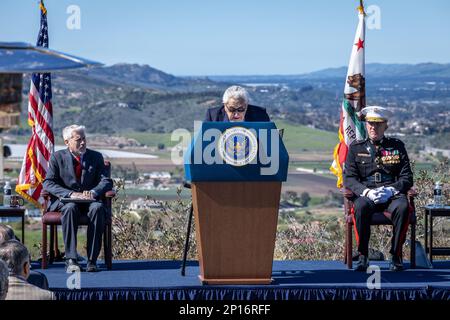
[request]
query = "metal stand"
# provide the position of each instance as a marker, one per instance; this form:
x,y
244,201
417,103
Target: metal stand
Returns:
x,y
1,158
188,234
186,244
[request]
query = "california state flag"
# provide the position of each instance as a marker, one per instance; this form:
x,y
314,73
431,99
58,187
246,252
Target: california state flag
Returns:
x,y
351,128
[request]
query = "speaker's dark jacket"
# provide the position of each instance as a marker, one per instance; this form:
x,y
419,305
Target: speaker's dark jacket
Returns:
x,y
253,114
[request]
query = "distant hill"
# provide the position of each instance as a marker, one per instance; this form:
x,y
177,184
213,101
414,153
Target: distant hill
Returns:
x,y
143,76
379,70
139,99
127,98
373,70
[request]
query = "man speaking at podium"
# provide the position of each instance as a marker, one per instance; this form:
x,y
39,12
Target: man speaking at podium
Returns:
x,y
237,149
236,108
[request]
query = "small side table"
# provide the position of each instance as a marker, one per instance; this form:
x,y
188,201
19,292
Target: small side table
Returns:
x,y
431,212
14,212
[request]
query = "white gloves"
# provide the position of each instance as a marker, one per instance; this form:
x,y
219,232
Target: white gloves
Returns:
x,y
384,195
380,195
372,194
393,190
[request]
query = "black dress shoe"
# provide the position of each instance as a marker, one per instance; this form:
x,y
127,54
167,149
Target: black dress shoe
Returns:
x,y
396,264
72,266
91,267
362,264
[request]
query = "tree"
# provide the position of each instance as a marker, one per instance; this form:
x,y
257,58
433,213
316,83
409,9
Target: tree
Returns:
x,y
304,199
292,196
134,173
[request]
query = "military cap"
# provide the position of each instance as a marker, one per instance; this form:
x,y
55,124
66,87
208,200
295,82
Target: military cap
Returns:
x,y
376,114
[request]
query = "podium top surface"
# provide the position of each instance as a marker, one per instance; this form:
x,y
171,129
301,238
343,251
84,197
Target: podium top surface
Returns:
x,y
236,151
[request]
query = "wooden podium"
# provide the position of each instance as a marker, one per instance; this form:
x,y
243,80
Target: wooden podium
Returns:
x,y
236,215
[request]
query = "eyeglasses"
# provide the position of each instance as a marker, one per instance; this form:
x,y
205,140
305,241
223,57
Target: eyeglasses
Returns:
x,y
236,110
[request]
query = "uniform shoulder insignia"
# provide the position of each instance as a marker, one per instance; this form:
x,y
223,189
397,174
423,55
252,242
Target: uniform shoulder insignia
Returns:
x,y
391,139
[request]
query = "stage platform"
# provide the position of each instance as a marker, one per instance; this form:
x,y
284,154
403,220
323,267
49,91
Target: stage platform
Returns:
x,y
292,280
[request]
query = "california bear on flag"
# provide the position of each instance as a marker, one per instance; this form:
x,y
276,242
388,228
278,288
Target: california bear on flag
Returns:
x,y
351,127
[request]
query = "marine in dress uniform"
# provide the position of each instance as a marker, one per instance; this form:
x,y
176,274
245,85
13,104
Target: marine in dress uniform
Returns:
x,y
378,172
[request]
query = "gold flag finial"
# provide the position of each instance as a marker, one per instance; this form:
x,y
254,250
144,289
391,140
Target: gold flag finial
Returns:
x,y
43,9
361,7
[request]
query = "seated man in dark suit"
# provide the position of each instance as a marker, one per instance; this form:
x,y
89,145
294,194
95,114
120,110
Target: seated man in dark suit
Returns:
x,y
236,108
78,173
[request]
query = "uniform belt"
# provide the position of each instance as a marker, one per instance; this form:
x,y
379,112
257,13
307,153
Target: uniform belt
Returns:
x,y
379,178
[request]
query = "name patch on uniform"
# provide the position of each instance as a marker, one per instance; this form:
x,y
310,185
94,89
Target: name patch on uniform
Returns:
x,y
363,155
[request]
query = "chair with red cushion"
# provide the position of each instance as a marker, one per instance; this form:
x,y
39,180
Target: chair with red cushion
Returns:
x,y
53,219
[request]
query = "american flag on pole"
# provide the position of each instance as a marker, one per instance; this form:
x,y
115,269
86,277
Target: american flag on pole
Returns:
x,y
40,118
351,128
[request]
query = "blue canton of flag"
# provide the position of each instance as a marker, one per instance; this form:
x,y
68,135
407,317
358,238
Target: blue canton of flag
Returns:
x,y
42,81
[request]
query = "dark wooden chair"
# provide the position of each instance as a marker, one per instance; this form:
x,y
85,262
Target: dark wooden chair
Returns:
x,y
53,219
378,218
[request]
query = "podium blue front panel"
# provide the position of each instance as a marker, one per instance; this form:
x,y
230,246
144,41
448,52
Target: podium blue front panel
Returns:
x,y
205,160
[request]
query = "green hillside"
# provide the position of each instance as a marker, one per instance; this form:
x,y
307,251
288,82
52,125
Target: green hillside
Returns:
x,y
151,139
302,138
296,138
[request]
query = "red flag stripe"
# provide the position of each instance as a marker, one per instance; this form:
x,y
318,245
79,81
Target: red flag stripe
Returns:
x,y
41,120
38,108
44,151
37,164
47,112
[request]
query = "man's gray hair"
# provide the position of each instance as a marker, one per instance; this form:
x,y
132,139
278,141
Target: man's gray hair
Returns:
x,y
6,233
236,92
3,280
15,255
67,131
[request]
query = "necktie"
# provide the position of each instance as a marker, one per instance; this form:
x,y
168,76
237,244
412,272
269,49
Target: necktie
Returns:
x,y
78,168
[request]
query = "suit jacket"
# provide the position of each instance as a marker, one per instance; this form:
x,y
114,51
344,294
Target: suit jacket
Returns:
x,y
20,289
38,279
253,114
61,180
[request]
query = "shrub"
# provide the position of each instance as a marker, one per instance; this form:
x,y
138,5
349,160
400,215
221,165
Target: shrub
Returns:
x,y
160,234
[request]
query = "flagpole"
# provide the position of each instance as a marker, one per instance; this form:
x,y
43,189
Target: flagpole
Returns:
x,y
42,6
41,144
1,158
350,126
361,7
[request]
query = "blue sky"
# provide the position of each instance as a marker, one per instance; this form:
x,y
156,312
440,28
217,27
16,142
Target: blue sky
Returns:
x,y
200,37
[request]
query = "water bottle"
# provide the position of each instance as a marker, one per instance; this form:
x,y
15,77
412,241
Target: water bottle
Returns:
x,y
7,194
438,195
